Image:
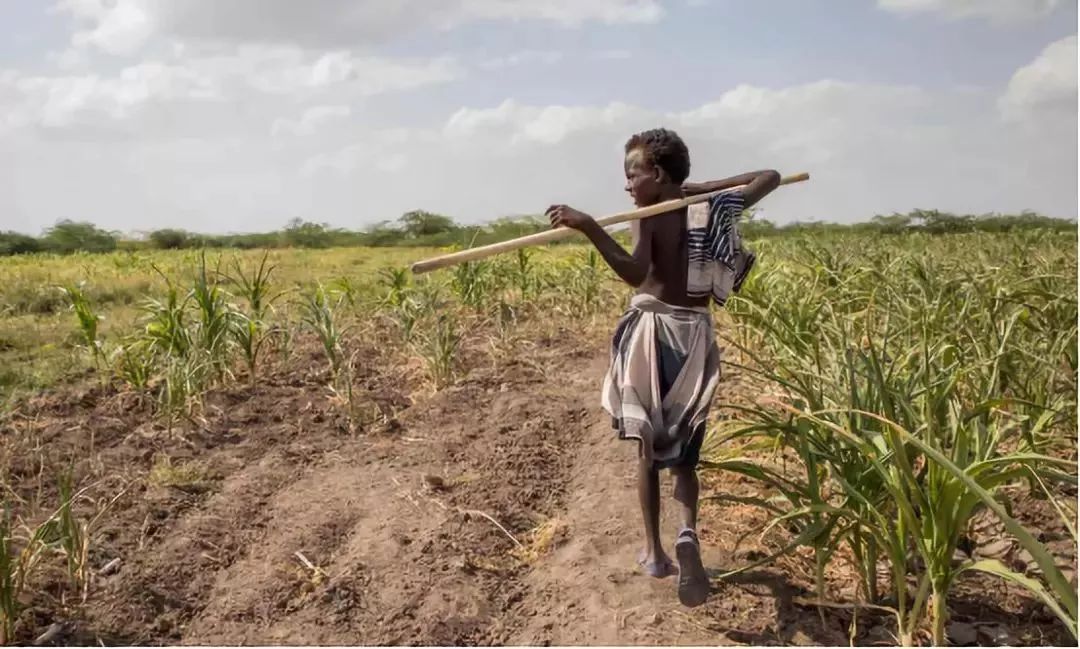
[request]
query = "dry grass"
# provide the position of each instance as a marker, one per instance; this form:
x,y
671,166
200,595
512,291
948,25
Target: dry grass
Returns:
x,y
540,540
188,476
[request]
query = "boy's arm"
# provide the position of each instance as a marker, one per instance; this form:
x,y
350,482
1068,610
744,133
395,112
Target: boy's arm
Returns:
x,y
758,185
632,268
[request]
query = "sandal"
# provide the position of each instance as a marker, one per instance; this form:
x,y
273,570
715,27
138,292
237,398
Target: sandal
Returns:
x,y
693,582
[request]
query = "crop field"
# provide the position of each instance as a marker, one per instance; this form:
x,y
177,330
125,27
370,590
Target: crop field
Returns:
x,y
317,447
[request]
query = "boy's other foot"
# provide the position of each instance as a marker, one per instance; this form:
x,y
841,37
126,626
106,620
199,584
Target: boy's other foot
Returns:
x,y
693,582
658,566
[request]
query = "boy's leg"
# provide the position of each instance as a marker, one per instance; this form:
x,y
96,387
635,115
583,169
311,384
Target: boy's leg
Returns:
x,y
686,494
686,481
693,581
652,558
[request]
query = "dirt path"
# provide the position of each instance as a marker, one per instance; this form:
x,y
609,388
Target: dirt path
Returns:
x,y
588,591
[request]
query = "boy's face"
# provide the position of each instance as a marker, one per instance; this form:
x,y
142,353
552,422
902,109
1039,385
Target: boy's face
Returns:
x,y
643,181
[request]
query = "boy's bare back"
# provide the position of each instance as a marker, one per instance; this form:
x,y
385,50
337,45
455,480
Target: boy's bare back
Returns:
x,y
666,277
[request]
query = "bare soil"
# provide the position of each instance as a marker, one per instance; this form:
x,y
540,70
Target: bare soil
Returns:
x,y
500,510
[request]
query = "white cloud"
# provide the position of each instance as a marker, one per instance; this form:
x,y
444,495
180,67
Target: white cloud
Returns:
x,y
571,13
1045,88
524,57
71,60
381,151
548,57
311,121
287,70
513,124
244,82
119,26
614,55
869,148
62,101
123,26
995,10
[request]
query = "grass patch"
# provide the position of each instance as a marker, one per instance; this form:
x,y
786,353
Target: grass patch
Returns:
x,y
186,476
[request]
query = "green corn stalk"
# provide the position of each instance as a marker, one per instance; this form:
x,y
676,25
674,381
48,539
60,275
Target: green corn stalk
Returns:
x,y
88,321
347,289
938,511
472,281
249,335
17,564
586,282
415,305
12,579
214,320
134,363
506,318
75,535
181,389
73,538
523,273
350,397
319,315
407,314
284,335
439,349
166,327
254,287
913,344
395,282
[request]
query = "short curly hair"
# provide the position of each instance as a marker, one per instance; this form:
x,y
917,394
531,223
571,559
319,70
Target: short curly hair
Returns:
x,y
665,149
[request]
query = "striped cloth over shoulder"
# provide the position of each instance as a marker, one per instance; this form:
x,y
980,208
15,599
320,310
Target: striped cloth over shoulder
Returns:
x,y
718,262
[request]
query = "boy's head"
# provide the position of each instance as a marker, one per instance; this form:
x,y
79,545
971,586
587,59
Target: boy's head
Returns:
x,y
656,160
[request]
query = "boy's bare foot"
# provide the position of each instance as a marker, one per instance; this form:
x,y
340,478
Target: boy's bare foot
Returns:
x,y
659,565
693,582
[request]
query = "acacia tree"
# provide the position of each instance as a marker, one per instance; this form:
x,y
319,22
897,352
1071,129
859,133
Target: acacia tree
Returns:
x,y
419,223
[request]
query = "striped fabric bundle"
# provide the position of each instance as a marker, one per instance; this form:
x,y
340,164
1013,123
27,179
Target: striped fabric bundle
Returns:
x,y
718,263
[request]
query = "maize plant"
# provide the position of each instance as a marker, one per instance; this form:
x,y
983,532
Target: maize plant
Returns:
x,y
319,315
472,282
249,334
439,348
254,287
88,321
523,273
19,558
214,318
911,390
134,363
395,281
166,328
181,388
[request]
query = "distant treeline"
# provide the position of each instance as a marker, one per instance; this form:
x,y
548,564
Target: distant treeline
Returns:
x,y
419,228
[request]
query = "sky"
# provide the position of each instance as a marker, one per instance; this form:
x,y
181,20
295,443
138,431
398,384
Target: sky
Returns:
x,y
223,116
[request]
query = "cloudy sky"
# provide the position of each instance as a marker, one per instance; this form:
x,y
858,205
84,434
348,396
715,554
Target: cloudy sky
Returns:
x,y
238,115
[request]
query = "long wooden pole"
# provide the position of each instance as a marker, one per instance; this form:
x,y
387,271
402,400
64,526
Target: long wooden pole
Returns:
x,y
541,238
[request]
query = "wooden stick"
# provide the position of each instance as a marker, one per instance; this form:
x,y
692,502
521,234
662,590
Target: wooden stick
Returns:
x,y
559,234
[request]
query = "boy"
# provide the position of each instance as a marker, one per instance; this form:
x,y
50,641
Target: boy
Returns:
x,y
665,362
